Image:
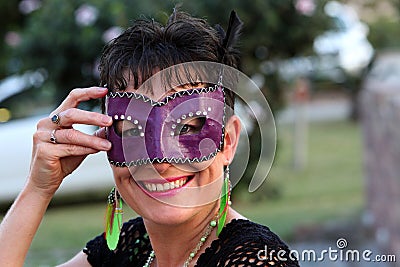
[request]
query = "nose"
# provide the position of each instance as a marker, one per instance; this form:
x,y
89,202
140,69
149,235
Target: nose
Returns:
x,y
161,167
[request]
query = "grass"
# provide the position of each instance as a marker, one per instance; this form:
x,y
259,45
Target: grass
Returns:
x,y
65,231
329,188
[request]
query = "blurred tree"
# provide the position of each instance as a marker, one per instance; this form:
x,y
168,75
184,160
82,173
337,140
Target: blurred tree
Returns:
x,y
11,21
66,37
384,33
273,31
396,4
382,17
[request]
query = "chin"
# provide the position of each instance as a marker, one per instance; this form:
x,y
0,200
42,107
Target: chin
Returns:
x,y
169,215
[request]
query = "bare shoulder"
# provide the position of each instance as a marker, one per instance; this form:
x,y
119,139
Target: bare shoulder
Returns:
x,y
79,259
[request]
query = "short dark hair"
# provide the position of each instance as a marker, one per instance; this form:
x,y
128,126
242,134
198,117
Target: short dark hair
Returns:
x,y
147,46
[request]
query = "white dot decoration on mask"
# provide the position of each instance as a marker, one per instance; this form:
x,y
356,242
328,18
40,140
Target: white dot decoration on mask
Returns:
x,y
189,115
129,118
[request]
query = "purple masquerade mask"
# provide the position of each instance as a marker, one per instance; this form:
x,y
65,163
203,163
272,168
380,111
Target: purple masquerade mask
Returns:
x,y
185,127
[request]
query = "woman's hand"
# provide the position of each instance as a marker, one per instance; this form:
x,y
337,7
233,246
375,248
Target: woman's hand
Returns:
x,y
53,160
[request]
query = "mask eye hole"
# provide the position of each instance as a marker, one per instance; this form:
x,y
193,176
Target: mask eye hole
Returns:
x,y
190,126
125,128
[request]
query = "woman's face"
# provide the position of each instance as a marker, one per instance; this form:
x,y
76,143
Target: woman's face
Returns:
x,y
172,193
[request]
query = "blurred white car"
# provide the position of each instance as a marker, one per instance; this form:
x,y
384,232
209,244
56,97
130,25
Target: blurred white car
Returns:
x,y
341,51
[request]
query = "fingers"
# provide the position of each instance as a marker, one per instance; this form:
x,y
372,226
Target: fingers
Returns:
x,y
68,114
63,150
77,116
73,116
67,150
59,129
72,137
79,95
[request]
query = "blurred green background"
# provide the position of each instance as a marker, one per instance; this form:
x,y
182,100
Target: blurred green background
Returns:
x,y
310,59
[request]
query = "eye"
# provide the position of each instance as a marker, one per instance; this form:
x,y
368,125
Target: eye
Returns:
x,y
130,132
126,128
191,126
186,129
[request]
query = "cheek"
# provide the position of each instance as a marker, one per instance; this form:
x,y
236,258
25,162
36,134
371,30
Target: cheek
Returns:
x,y
120,174
212,173
128,189
125,184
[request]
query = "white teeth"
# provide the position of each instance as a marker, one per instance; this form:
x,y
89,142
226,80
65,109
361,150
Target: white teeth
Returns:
x,y
165,186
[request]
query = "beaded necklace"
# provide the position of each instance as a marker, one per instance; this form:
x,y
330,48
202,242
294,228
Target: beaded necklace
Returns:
x,y
192,254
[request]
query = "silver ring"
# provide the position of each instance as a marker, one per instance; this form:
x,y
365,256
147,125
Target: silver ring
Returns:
x,y
53,138
56,119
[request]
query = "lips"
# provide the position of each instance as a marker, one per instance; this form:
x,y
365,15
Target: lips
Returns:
x,y
166,185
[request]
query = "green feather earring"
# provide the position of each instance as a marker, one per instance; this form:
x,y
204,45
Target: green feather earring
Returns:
x,y
113,219
224,201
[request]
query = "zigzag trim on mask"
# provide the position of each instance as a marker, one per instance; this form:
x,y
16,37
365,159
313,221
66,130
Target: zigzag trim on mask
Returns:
x,y
154,103
163,160
167,98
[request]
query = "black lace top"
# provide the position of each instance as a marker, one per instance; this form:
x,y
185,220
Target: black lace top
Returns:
x,y
241,243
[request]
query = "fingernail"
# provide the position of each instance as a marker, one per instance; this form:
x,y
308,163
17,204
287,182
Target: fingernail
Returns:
x,y
106,144
106,120
101,89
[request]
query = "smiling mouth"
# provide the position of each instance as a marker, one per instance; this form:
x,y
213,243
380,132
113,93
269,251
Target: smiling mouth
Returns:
x,y
166,186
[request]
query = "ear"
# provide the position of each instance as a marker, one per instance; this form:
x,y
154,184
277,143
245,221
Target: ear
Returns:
x,y
231,138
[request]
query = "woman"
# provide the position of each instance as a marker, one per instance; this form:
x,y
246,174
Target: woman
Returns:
x,y
169,144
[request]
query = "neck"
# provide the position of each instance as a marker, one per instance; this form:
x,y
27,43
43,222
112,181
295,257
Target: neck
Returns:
x,y
167,240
